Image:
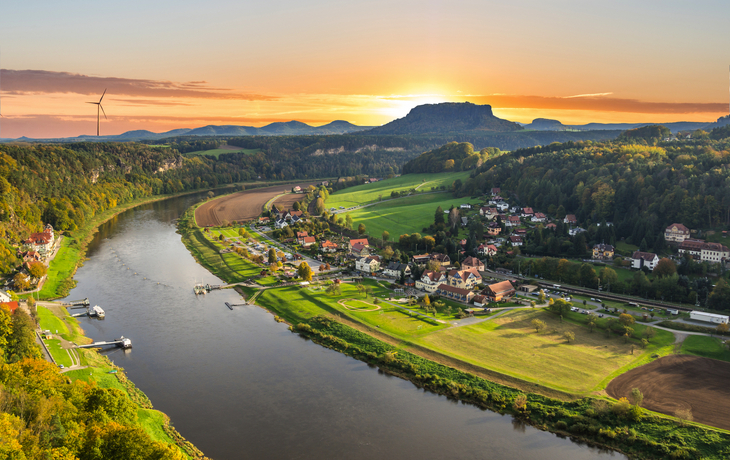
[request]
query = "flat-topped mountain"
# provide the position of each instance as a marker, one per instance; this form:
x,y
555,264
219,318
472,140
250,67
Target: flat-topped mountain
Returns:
x,y
445,118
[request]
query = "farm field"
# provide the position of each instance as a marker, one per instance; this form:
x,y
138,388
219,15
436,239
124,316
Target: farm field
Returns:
x,y
404,215
370,193
245,205
681,382
220,151
510,345
286,201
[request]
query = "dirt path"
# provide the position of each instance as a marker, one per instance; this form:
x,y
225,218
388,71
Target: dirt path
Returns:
x,y
342,302
681,382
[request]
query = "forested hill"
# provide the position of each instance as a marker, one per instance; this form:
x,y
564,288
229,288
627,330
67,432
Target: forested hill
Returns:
x,y
454,156
448,117
640,185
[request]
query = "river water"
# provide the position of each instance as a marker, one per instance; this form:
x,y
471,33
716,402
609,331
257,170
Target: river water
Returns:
x,y
239,385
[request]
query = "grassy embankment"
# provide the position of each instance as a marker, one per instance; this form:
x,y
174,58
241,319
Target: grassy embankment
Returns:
x,y
707,347
103,373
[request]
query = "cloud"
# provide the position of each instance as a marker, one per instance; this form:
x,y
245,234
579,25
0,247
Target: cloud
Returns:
x,y
28,82
587,95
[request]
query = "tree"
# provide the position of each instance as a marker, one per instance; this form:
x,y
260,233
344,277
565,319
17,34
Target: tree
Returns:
x,y
21,281
438,218
388,253
272,256
348,222
454,219
591,322
719,298
722,328
636,397
538,324
386,235
588,275
361,229
304,271
560,307
426,300
319,206
665,267
520,402
608,276
37,270
569,336
296,206
626,319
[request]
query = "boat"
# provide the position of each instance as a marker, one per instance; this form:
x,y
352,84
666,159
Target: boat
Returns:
x,y
199,289
97,311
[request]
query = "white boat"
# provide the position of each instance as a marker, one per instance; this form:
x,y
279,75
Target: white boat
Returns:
x,y
97,311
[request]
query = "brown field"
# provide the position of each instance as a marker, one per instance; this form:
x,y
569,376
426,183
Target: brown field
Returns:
x,y
246,205
681,382
287,201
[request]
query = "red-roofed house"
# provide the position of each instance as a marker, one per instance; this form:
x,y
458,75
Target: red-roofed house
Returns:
x,y
539,217
430,281
12,306
499,291
516,240
360,250
307,241
456,293
570,219
472,263
527,212
512,221
676,233
487,250
328,246
496,191
363,241
464,279
644,259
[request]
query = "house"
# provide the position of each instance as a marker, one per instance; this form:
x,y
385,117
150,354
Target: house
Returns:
x,y
281,223
430,281
570,219
480,300
704,251
499,291
472,263
527,212
464,279
4,296
676,233
644,259
455,293
603,251
296,189
494,229
394,269
42,243
264,220
295,219
363,241
307,241
528,288
539,217
294,214
576,230
421,259
502,206
328,246
410,282
301,235
521,232
515,240
512,221
31,256
359,250
443,259
368,264
551,226
496,191
464,221
488,212
487,250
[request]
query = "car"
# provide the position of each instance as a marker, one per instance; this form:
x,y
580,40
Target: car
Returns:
x,y
573,309
61,366
600,315
592,299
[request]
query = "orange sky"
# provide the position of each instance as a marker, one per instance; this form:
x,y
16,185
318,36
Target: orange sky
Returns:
x,y
189,64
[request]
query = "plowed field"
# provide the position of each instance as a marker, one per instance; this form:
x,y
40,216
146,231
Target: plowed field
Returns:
x,y
681,382
246,205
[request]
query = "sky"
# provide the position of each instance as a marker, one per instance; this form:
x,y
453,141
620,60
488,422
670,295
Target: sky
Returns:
x,y
185,64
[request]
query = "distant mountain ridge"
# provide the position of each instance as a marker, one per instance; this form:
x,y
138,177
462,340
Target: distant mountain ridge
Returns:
x,y
446,118
546,124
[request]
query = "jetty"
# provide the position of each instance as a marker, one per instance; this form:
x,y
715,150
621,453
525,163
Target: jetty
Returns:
x,y
77,303
122,342
231,305
201,288
95,312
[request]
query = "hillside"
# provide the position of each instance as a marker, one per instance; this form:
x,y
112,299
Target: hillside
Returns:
x,y
448,117
453,156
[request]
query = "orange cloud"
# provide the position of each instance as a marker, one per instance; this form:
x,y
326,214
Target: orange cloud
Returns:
x,y
25,82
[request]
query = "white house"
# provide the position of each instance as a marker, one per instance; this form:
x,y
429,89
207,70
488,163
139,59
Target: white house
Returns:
x,y
4,296
644,259
487,250
430,281
576,230
367,264
394,269
281,223
539,217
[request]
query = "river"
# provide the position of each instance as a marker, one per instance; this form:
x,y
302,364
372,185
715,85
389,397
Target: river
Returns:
x,y
239,385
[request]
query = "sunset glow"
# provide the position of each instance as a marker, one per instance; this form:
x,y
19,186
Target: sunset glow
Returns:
x,y
188,65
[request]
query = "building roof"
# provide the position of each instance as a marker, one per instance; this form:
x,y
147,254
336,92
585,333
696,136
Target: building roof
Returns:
x,y
503,287
515,239
397,266
472,261
434,276
302,234
571,218
363,241
679,227
358,247
647,256
440,257
513,219
308,240
329,244
455,290
421,257
12,306
603,247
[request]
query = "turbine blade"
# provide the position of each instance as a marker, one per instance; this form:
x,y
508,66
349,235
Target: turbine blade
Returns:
x,y
102,96
102,109
92,102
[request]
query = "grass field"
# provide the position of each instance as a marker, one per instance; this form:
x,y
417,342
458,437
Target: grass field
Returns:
x,y
626,247
510,345
230,266
369,193
59,354
51,322
708,347
218,152
405,215
61,268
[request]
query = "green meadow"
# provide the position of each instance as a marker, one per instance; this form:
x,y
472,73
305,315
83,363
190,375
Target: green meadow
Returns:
x,y
405,215
370,193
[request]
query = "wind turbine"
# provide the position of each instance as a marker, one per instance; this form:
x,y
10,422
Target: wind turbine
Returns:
x,y
98,115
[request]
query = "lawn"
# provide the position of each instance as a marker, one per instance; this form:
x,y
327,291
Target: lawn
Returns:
x,y
49,321
406,215
60,269
229,266
369,193
59,354
218,152
626,248
510,345
708,347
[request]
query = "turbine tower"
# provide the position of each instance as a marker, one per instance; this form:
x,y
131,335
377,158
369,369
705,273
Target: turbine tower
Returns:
x,y
98,115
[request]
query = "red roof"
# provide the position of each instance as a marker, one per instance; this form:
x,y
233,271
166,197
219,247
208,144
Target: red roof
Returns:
x,y
455,290
10,305
329,244
363,241
302,234
308,240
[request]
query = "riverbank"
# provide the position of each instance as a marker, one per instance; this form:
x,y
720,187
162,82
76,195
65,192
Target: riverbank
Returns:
x,y
598,421
93,367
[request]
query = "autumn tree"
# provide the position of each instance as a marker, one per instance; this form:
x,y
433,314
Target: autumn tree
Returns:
x,y
665,267
538,324
37,270
272,256
361,229
385,235
626,319
304,271
569,336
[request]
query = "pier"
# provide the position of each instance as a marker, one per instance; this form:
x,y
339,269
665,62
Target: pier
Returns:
x,y
96,312
77,303
231,305
122,342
